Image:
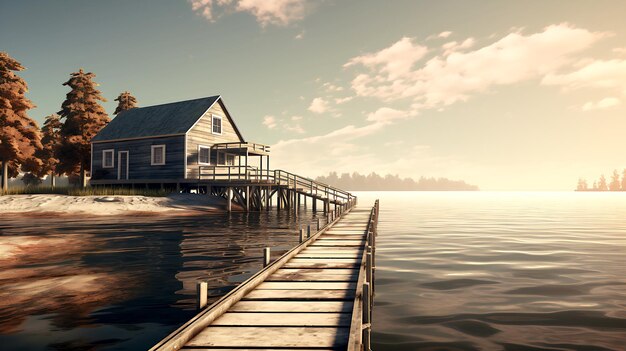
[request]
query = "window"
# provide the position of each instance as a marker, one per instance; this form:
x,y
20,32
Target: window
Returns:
x,y
204,155
230,160
217,124
107,158
157,156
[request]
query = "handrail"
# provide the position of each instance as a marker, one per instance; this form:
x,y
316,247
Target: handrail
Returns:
x,y
361,324
279,176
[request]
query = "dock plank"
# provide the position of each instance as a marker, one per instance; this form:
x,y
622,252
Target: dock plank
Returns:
x,y
292,306
306,286
289,294
218,336
284,319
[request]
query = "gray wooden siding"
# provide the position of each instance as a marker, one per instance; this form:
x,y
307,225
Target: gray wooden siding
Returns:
x,y
139,159
201,134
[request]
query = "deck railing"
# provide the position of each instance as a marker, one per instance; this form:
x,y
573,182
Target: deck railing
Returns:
x,y
361,325
237,145
278,177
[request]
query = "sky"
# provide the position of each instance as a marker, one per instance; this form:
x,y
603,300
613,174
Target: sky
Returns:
x,y
506,95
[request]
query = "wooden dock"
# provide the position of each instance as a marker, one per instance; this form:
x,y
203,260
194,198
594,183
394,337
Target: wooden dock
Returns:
x,y
317,296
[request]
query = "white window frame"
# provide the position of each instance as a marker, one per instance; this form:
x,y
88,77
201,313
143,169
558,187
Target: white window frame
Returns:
x,y
213,117
200,147
104,152
152,148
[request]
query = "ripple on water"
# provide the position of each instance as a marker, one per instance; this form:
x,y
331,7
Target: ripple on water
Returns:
x,y
500,271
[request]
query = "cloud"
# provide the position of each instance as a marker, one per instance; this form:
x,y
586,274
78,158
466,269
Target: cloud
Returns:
x,y
455,74
394,61
318,105
454,46
444,34
299,36
386,115
603,104
269,122
266,12
343,100
607,74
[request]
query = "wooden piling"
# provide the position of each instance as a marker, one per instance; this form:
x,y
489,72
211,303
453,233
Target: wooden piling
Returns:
x,y
202,293
266,256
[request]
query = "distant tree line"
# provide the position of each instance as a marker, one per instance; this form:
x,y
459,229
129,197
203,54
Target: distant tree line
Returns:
x,y
616,184
63,145
373,181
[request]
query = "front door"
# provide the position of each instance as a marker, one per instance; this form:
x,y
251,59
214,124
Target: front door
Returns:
x,y
122,165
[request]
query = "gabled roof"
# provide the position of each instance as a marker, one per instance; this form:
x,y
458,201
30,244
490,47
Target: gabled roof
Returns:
x,y
159,120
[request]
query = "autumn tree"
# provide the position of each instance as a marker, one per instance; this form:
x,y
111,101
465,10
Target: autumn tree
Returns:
x,y
582,185
50,140
615,183
19,134
602,184
125,101
624,180
83,118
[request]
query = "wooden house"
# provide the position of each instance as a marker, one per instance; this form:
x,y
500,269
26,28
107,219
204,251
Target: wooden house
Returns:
x,y
181,143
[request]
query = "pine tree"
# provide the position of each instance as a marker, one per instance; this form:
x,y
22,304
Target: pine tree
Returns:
x,y
615,183
19,134
84,118
51,139
125,102
602,184
582,185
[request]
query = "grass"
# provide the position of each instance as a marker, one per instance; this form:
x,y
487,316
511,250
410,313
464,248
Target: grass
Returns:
x,y
89,191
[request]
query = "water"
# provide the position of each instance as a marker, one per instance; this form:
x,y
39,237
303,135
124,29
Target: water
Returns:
x,y
500,271
456,271
114,283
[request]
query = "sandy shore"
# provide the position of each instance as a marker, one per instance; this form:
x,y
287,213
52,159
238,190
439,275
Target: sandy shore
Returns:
x,y
109,205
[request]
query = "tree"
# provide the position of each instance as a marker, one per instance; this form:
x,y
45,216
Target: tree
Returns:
x,y
602,184
30,179
50,140
582,185
615,183
624,180
125,102
83,118
19,134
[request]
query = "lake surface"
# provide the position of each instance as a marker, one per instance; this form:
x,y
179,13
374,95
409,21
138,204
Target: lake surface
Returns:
x,y
500,271
455,271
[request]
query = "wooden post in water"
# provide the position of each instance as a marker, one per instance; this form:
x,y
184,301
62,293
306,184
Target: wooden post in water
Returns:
x,y
266,256
302,235
229,195
308,231
319,224
314,201
202,292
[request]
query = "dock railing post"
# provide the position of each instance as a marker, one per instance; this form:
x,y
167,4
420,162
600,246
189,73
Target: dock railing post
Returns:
x,y
267,253
202,293
367,316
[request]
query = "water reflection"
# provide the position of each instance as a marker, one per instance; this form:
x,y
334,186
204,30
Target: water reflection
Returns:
x,y
123,283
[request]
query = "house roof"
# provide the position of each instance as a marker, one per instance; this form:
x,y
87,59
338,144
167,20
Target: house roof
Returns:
x,y
159,120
